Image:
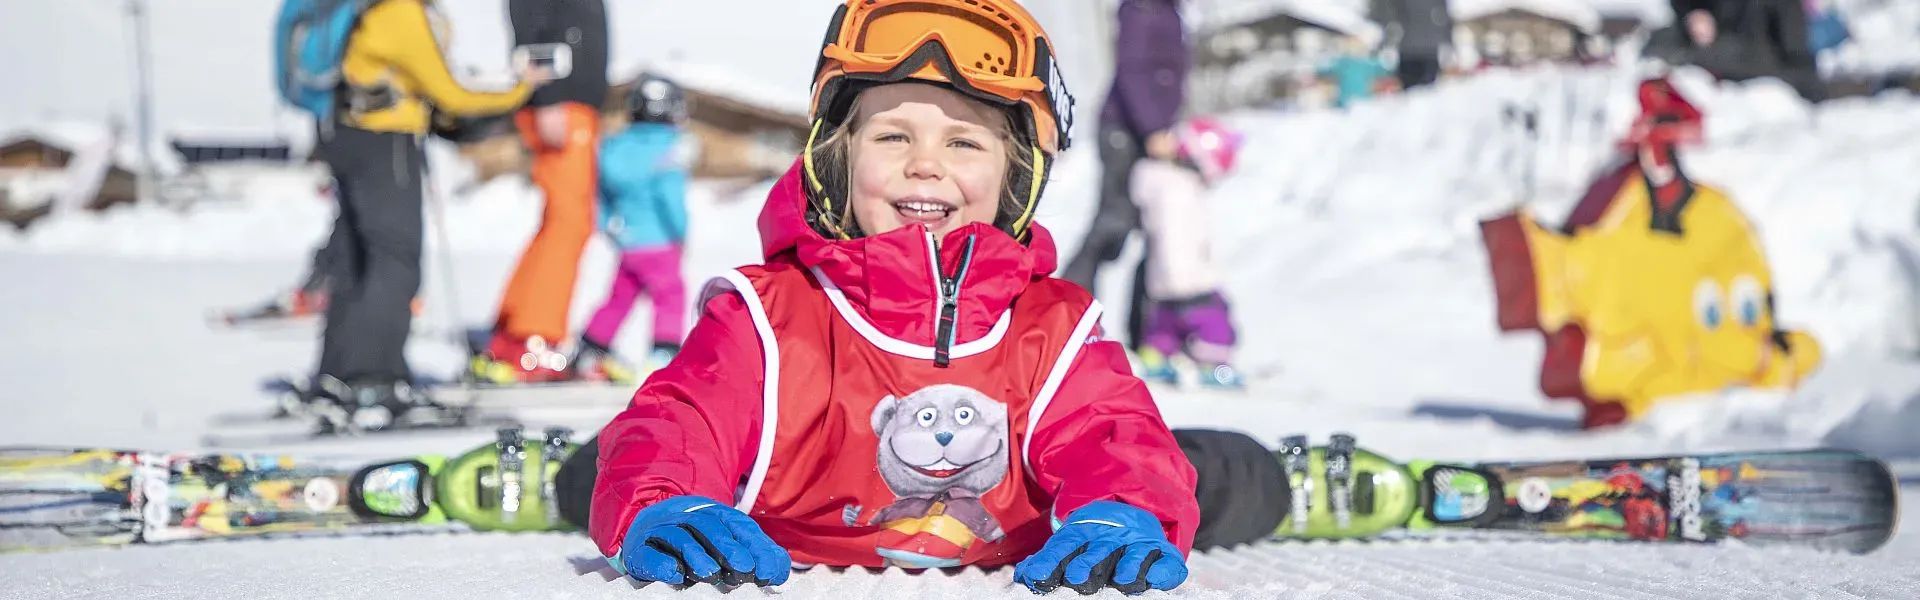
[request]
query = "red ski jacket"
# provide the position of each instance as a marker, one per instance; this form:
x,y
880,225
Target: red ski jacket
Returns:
x,y
895,399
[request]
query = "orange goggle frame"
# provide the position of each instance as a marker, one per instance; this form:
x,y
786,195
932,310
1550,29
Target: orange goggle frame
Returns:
x,y
993,53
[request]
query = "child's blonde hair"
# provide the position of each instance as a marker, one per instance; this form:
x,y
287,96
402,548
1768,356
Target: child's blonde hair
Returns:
x,y
830,209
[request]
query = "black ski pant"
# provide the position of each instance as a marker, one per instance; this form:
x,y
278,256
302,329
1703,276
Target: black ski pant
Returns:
x,y
375,270
1242,489
326,258
1116,218
322,266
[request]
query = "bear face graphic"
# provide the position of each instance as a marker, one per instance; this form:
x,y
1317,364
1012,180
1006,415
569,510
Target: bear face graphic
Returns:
x,y
941,449
944,437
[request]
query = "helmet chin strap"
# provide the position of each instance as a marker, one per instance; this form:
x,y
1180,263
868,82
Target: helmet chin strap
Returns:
x,y
820,189
1021,225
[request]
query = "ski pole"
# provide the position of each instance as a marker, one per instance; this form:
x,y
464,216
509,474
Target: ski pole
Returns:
x,y
437,204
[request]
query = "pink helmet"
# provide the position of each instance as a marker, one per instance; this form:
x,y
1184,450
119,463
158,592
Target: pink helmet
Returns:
x,y
1209,145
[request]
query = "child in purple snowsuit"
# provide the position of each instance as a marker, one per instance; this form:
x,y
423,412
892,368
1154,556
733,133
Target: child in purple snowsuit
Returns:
x,y
643,183
1186,315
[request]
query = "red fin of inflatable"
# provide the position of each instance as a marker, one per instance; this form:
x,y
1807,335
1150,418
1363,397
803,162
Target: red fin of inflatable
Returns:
x,y
1560,364
1517,301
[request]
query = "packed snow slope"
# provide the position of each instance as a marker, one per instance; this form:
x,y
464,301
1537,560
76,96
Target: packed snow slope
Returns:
x,y
1357,277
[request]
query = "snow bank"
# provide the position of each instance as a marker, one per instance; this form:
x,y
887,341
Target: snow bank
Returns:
x,y
1885,36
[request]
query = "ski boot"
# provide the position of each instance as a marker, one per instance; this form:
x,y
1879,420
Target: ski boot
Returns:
x,y
531,360
360,407
597,362
1294,460
1222,376
1157,367
661,355
1342,492
507,485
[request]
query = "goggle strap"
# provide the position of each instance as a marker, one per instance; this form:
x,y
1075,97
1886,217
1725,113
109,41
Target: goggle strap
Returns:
x,y
833,37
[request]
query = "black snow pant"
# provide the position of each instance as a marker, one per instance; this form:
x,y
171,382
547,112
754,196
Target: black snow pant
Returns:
x,y
1116,218
1242,489
375,270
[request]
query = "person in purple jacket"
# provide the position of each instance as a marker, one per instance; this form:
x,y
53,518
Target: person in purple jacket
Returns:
x,y
1151,60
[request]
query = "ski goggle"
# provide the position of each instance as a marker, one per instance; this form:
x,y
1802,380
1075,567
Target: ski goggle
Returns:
x,y
992,51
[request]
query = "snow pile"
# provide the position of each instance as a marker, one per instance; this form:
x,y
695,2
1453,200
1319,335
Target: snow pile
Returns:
x,y
1885,36
1361,226
1829,188
1867,405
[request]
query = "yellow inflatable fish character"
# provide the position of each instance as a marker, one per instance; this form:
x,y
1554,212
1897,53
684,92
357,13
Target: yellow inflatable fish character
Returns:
x,y
1656,287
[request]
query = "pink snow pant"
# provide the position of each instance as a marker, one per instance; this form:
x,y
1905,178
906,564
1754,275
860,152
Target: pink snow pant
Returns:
x,y
656,272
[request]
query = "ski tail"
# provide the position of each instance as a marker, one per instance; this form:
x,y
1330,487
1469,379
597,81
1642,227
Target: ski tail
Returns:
x,y
1833,500
65,498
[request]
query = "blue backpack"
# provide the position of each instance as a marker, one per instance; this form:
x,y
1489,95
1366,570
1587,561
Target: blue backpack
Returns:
x,y
310,38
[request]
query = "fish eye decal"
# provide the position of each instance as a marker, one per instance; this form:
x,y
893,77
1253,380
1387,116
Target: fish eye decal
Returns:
x,y
1707,303
1748,300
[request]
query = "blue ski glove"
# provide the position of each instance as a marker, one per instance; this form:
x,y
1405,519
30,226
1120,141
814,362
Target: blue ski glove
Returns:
x,y
1105,544
687,539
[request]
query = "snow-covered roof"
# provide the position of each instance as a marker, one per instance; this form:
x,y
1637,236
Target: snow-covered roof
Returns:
x,y
1651,12
1324,13
76,136
1580,14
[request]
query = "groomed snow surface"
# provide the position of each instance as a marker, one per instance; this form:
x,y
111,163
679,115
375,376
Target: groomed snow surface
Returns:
x,y
1359,285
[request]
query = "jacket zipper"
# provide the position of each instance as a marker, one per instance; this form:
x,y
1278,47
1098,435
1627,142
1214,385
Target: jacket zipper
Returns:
x,y
949,291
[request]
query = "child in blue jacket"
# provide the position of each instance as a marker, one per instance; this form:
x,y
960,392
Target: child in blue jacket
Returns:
x,y
643,186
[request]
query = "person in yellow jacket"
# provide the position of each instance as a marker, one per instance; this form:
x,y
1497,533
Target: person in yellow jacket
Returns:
x,y
394,79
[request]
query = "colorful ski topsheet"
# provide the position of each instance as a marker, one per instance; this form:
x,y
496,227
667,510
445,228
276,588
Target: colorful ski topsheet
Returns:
x,y
1832,500
53,498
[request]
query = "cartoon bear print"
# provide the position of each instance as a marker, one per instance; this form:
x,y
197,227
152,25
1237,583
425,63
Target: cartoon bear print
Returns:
x,y
941,449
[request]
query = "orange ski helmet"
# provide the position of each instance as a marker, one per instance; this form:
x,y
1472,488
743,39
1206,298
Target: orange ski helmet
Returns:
x,y
990,50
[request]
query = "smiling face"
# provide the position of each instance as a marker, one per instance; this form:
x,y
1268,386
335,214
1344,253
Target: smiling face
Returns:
x,y
925,154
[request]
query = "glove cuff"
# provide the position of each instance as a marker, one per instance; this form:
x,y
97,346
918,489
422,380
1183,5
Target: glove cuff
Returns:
x,y
1114,514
